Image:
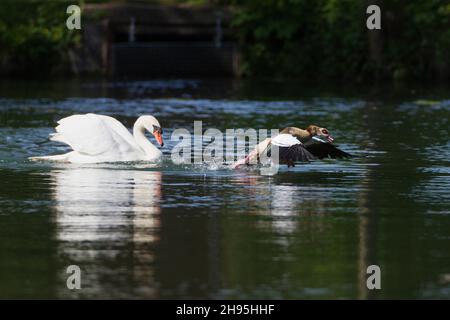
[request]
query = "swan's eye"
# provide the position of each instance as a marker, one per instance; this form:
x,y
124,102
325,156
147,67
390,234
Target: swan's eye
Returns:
x,y
157,129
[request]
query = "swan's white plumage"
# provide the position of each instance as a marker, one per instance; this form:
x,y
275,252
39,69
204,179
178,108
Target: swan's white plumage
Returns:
x,y
97,138
95,135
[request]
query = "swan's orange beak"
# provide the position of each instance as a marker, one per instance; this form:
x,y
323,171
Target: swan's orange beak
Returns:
x,y
159,138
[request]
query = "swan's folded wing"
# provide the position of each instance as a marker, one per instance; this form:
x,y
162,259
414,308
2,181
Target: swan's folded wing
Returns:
x,y
118,129
92,135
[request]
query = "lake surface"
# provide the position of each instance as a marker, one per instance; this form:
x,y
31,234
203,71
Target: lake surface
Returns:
x,y
201,231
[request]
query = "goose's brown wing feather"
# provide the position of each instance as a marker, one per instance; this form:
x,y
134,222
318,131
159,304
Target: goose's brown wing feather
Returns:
x,y
326,150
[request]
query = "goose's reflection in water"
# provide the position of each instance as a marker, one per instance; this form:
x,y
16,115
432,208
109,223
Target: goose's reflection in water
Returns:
x,y
107,223
286,201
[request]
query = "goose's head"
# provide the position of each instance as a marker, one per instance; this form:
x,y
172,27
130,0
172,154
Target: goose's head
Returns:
x,y
316,131
151,124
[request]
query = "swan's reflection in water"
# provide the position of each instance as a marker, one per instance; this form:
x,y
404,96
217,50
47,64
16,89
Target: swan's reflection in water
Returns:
x,y
107,223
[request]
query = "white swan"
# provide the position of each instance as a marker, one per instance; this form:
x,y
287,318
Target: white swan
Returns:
x,y
97,138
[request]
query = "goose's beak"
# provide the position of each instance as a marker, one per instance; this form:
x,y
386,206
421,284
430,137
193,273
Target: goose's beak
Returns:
x,y
159,138
330,139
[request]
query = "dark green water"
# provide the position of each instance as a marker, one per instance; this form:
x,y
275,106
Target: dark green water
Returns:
x,y
201,232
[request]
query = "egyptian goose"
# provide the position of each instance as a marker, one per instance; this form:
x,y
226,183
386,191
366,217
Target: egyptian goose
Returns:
x,y
298,145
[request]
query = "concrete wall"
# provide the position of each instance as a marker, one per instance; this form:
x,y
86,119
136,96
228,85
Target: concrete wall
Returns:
x,y
149,40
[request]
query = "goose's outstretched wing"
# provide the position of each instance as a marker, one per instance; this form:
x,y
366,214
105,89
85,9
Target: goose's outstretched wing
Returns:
x,y
290,150
295,153
322,149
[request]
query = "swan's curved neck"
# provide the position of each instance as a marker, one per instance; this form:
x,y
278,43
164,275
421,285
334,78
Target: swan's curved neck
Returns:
x,y
139,135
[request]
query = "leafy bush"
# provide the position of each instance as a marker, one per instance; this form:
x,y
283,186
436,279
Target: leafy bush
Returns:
x,y
309,39
314,39
33,36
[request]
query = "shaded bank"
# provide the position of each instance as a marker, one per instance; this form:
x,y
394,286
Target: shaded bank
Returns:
x,y
308,39
34,39
136,39
327,38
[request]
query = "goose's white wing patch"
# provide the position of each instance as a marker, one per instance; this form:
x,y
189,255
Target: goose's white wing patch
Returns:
x,y
285,140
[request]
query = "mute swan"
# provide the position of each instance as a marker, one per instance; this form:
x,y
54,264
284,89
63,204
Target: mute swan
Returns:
x,y
97,138
295,144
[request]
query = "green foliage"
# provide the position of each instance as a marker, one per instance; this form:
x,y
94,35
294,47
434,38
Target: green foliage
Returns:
x,y
33,36
310,39
316,39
